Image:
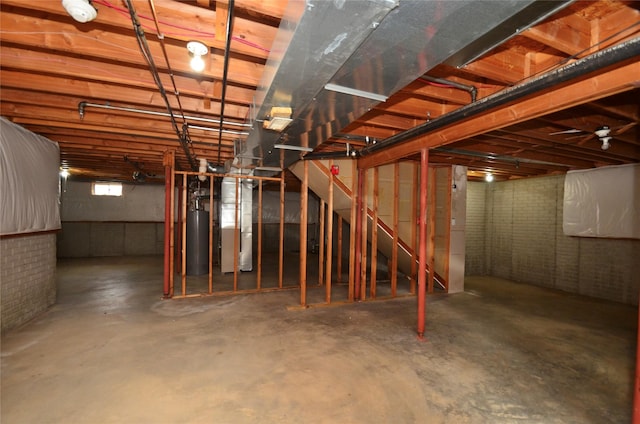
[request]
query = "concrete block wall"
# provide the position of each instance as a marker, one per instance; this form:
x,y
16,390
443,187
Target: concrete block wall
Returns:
x,y
523,241
27,277
93,239
474,263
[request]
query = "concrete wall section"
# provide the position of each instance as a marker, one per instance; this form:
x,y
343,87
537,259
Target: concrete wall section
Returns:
x,y
111,226
93,239
475,228
524,242
27,276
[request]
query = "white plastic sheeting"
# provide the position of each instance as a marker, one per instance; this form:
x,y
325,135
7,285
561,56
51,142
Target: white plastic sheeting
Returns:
x,y
29,181
603,202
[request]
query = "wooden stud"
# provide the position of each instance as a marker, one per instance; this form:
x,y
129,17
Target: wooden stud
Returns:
x,y
183,207
414,229
171,230
431,242
352,233
321,243
363,240
211,209
448,229
304,198
339,251
396,220
374,236
422,240
328,265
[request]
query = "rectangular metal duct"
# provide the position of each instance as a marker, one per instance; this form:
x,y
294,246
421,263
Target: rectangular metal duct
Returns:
x,y
373,47
228,213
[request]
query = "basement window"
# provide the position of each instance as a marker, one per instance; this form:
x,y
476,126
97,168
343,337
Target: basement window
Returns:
x,y
106,189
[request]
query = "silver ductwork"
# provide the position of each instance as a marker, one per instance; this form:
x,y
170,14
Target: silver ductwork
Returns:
x,y
236,210
334,60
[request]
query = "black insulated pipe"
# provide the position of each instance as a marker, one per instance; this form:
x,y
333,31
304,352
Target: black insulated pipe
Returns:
x,y
225,72
605,58
472,90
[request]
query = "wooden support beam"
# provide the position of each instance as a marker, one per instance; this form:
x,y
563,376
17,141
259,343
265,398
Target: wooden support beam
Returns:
x,y
374,235
339,252
172,241
183,207
396,221
363,238
448,205
211,209
414,228
619,79
168,161
431,231
321,240
422,240
304,204
352,234
328,270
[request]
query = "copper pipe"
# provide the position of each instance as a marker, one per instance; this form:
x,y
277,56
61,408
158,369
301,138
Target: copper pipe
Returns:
x,y
422,241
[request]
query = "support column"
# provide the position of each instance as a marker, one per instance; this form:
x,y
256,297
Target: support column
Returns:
x,y
168,191
304,197
358,235
422,241
329,237
636,386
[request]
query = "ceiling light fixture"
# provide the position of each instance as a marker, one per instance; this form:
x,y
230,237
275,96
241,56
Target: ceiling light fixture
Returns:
x,y
278,119
64,173
605,142
80,10
197,50
488,178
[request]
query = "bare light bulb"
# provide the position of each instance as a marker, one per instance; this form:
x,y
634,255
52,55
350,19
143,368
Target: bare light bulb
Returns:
x,y
64,173
488,178
605,142
197,64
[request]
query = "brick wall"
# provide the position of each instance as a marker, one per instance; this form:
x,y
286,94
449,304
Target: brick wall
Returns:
x,y
523,241
27,277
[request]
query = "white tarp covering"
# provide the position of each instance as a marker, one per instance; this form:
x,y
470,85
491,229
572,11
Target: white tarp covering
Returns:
x,y
29,181
603,202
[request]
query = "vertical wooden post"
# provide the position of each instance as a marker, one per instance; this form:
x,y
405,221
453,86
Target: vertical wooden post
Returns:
x,y
183,207
281,231
168,165
363,238
211,209
396,227
339,251
236,237
179,234
304,198
352,232
321,243
422,240
414,229
329,237
172,232
374,235
259,273
431,247
358,235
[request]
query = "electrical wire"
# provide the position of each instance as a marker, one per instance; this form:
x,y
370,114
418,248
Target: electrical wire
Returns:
x,y
146,53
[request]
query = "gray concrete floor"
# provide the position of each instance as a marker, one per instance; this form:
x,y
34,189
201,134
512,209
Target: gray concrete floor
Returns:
x,y
112,351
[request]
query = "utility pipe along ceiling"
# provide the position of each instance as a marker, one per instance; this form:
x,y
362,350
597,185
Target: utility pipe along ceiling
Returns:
x,y
514,88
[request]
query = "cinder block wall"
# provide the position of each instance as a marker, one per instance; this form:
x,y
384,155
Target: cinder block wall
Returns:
x,y
111,226
523,241
474,263
27,275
